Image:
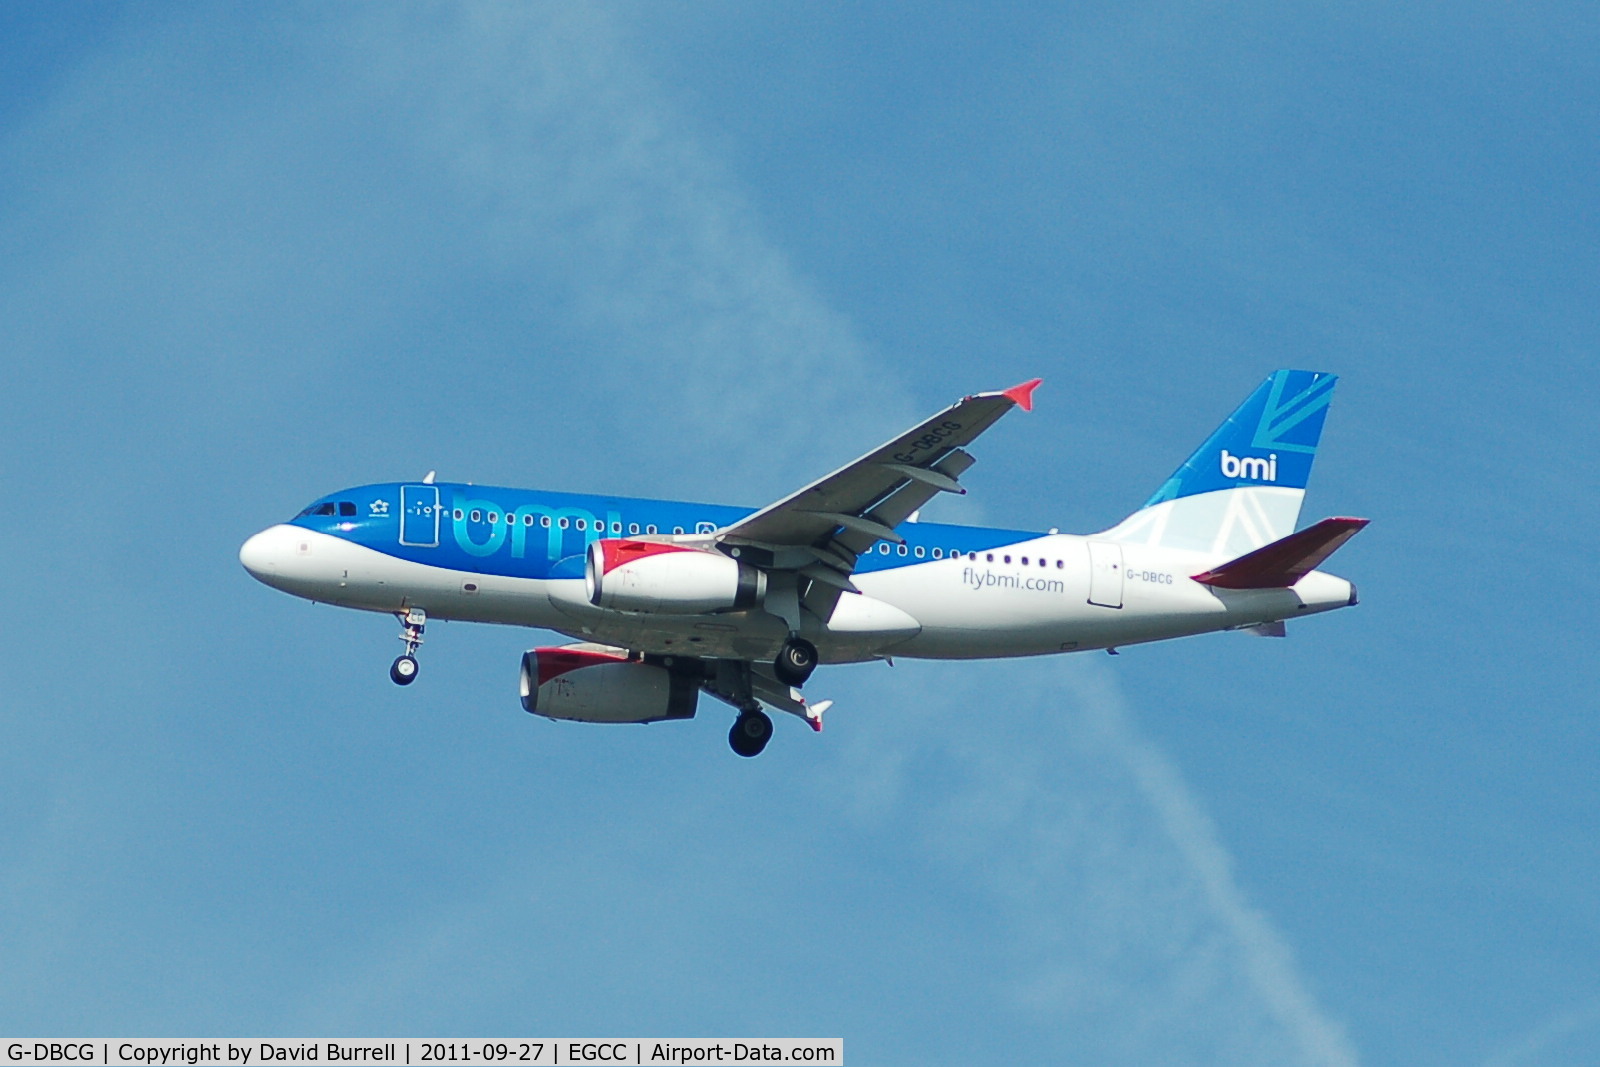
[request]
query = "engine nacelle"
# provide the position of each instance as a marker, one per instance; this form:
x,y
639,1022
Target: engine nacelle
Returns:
x,y
581,685
666,579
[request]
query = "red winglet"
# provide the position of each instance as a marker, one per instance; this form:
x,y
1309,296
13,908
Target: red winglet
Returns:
x,y
1022,395
1285,561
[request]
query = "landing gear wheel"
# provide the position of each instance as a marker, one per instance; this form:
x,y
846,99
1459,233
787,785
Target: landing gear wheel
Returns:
x,y
750,734
404,670
796,660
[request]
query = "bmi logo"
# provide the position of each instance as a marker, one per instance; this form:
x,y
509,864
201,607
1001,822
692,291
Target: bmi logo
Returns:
x,y
1252,467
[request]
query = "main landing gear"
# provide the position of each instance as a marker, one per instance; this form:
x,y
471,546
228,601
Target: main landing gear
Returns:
x,y
751,732
796,660
733,682
403,671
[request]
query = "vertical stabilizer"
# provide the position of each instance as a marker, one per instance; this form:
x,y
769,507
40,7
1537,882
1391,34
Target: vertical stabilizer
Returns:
x,y
1242,489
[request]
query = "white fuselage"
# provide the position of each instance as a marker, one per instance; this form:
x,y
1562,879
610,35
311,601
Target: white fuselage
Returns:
x,y
1053,593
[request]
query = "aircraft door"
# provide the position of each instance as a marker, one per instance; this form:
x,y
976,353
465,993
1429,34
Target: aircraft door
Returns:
x,y
1105,574
419,516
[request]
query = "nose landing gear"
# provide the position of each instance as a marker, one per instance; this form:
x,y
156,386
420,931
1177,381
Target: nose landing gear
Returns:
x,y
403,671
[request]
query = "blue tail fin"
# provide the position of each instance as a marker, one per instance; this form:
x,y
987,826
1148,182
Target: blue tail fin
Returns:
x,y
1241,489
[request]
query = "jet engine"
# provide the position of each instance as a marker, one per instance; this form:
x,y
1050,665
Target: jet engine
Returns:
x,y
659,578
584,685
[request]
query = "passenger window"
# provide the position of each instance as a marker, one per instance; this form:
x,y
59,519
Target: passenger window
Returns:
x,y
562,523
938,553
544,522
988,557
494,518
677,530
616,527
1024,561
921,551
458,515
650,529
580,525
527,520
883,548
1059,565
633,528
902,550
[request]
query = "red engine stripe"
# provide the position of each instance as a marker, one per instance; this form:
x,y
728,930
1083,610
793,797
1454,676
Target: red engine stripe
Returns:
x,y
554,662
614,552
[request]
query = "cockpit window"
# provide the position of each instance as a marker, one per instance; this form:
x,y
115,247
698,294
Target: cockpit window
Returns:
x,y
323,509
346,508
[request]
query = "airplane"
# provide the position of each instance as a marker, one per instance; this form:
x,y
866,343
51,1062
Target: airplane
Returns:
x,y
665,601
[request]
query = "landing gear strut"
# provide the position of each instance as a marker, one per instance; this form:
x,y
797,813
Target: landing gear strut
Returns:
x,y
403,671
751,732
796,660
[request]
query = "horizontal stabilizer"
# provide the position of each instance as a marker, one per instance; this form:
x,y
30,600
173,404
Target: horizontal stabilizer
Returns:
x,y
1267,629
1284,562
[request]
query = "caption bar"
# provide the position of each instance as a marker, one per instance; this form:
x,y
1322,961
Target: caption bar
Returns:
x,y
544,1052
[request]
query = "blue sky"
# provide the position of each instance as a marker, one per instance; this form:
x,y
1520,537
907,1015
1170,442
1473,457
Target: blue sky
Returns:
x,y
710,252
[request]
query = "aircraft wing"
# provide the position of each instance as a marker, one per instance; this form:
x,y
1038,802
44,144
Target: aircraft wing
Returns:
x,y
821,530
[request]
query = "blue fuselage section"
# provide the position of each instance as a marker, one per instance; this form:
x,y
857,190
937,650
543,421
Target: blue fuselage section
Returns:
x,y
524,533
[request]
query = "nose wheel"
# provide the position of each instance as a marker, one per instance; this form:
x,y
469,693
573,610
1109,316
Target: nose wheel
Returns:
x,y
403,671
751,732
796,660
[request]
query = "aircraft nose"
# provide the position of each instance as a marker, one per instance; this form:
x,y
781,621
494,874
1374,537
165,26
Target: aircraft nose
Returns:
x,y
263,554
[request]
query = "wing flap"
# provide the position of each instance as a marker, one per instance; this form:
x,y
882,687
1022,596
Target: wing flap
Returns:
x,y
1285,561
